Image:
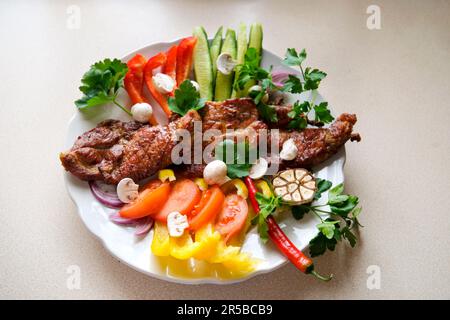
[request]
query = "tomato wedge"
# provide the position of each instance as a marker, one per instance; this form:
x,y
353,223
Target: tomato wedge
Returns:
x,y
134,81
184,196
155,62
232,217
170,67
208,208
184,58
149,201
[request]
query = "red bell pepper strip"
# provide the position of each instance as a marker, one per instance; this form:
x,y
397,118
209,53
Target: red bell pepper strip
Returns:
x,y
134,81
184,58
155,62
170,67
279,238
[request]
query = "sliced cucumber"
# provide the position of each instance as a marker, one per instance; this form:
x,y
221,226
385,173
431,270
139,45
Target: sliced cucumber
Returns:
x,y
224,83
255,41
241,49
203,64
216,46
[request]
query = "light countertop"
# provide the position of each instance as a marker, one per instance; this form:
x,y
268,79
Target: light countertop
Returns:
x,y
395,79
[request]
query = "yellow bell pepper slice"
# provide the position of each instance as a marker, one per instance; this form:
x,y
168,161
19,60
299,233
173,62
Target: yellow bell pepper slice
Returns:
x,y
201,183
183,247
241,263
264,187
166,174
238,185
208,247
161,240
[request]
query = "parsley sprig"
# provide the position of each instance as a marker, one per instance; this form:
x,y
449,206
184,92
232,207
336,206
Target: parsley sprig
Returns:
x,y
343,211
186,98
251,71
101,84
310,80
236,156
267,206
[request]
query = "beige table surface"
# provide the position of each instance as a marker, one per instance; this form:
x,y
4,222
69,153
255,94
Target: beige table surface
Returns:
x,y
396,79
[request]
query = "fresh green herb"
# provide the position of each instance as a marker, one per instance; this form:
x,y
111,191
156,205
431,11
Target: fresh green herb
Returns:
x,y
186,98
343,208
311,77
101,84
322,112
311,81
267,206
251,71
297,114
236,156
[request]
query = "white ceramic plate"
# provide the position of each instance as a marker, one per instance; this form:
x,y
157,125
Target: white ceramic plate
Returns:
x,y
135,252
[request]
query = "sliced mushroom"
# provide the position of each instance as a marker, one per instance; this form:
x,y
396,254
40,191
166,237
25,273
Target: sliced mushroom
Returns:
x,y
127,190
296,186
225,63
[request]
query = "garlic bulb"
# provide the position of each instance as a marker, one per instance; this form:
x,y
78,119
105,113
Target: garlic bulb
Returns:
x,y
296,186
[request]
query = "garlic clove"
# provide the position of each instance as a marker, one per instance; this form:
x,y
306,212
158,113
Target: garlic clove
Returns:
x,y
225,63
127,190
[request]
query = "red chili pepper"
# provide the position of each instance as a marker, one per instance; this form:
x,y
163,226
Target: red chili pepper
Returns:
x,y
134,81
296,256
155,62
184,58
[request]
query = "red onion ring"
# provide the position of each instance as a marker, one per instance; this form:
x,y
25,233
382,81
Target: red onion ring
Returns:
x,y
108,199
280,76
144,225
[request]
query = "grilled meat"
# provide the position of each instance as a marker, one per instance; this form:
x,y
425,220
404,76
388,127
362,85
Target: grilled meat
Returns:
x,y
315,145
115,150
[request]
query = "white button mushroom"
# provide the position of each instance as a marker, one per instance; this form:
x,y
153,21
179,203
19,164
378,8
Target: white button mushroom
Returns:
x,y
257,88
163,83
142,112
176,224
258,169
196,85
225,63
127,190
215,172
289,150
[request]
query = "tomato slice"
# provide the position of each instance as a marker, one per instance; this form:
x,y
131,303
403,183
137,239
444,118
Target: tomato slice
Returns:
x,y
184,196
208,208
232,217
149,201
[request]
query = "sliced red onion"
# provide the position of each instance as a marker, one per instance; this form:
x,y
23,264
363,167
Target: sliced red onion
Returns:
x,y
116,218
144,225
280,76
107,198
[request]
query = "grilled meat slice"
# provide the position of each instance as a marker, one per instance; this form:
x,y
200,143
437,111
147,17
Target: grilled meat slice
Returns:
x,y
229,114
315,145
113,150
